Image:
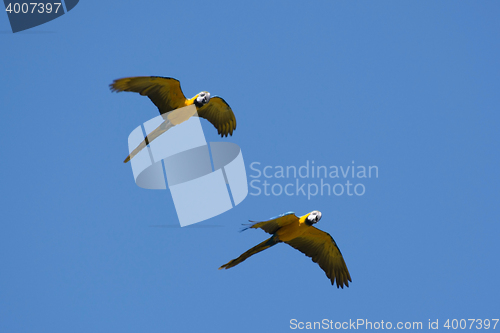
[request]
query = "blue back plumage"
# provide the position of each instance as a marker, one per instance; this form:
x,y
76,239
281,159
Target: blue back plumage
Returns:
x,y
272,218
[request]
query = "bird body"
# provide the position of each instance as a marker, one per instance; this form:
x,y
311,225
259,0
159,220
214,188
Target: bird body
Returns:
x,y
292,230
167,95
301,235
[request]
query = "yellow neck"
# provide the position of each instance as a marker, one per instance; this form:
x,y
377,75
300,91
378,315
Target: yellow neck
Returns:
x,y
191,101
303,218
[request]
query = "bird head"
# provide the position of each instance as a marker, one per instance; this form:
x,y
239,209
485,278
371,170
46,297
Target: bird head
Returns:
x,y
203,98
313,217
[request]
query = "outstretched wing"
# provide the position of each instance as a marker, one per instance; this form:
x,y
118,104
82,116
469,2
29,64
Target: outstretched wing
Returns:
x,y
321,247
164,92
272,225
219,113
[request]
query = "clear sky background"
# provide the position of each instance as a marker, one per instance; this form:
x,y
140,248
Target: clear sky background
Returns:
x,y
409,87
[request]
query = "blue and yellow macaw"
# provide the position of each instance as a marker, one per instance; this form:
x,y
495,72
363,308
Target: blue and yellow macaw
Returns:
x,y
167,95
299,233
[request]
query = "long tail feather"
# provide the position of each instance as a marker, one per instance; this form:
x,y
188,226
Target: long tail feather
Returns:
x,y
250,225
165,126
256,249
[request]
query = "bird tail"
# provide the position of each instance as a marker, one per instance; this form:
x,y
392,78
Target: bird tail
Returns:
x,y
256,249
165,126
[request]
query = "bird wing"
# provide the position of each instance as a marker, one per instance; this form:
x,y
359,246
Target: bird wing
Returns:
x,y
219,113
164,92
321,247
272,225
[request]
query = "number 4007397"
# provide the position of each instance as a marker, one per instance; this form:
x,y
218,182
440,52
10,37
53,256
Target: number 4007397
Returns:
x,y
33,7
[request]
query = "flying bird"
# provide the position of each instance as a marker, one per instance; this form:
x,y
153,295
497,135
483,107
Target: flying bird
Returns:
x,y
167,95
299,233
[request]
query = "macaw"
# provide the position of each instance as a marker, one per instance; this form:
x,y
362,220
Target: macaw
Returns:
x,y
167,95
299,233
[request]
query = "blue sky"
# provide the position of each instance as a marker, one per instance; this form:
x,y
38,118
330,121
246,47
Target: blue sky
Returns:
x,y
409,87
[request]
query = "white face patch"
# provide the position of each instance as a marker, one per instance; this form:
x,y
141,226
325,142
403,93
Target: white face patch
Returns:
x,y
203,97
314,216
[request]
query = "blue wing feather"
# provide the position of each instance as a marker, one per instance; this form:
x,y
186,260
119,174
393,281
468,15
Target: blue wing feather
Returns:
x,y
272,218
